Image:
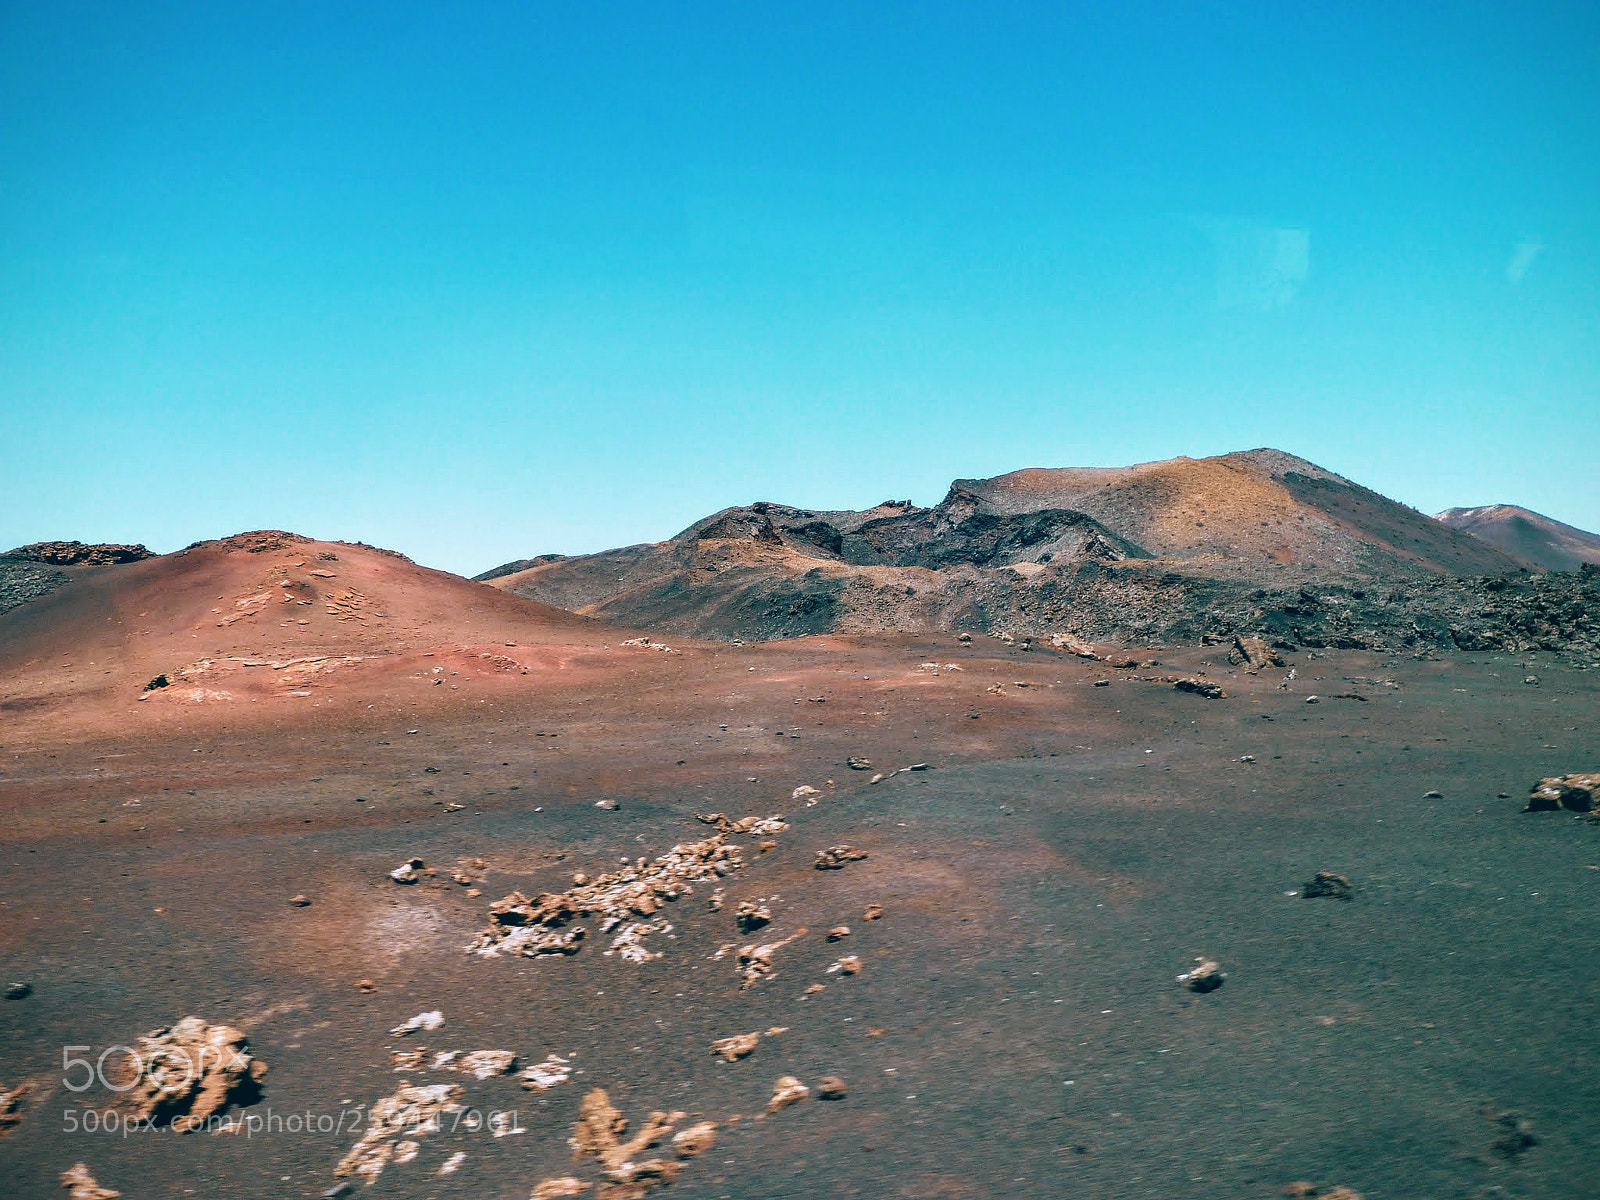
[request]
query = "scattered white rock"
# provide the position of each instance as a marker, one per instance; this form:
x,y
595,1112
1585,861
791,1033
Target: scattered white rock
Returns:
x,y
504,1124
425,1021
403,1117
543,1076
629,942
480,1064
539,925
408,872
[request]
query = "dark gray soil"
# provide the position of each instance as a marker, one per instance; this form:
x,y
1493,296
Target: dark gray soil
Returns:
x,y
1034,1041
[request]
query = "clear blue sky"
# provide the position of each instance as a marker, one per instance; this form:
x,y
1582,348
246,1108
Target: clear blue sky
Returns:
x,y
479,281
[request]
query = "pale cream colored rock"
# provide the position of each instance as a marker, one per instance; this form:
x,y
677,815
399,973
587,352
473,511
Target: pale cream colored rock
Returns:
x,y
191,1071
560,1188
740,1045
788,1090
695,1140
81,1185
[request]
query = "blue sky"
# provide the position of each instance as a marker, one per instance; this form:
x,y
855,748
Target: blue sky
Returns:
x,y
480,281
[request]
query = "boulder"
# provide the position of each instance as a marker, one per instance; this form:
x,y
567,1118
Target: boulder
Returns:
x,y
191,1071
1575,793
1254,653
1204,976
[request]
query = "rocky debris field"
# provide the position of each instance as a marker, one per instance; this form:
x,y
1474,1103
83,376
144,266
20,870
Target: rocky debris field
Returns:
x,y
24,579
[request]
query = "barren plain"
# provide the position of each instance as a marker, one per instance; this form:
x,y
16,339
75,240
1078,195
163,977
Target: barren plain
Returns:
x,y
1037,843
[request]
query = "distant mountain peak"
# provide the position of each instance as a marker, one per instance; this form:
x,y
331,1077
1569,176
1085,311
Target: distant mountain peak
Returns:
x,y
1531,538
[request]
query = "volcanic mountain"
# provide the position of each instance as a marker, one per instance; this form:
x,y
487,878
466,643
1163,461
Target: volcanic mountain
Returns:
x,y
994,549
1530,538
270,619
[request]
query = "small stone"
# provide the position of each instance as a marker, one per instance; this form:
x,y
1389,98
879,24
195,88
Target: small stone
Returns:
x,y
425,1021
84,1186
1434,795
407,872
695,1140
1518,1137
19,991
838,933
300,901
752,915
831,1087
788,1090
1204,976
856,763
873,912
740,1045
559,1188
1329,884
366,986
834,857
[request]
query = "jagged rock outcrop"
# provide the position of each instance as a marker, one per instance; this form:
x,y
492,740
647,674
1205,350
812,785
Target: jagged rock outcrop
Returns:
x,y
78,554
192,1071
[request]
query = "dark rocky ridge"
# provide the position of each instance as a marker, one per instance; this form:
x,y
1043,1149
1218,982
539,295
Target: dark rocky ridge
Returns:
x,y
31,571
1259,542
79,554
